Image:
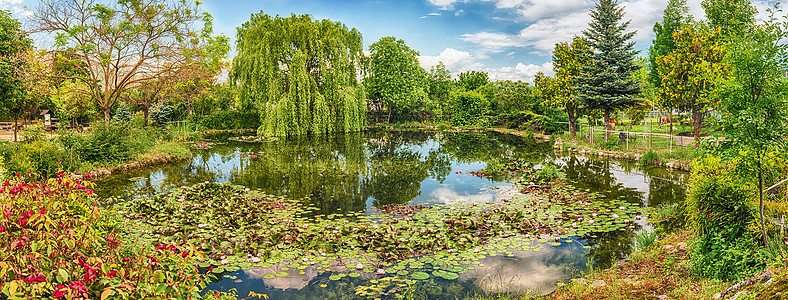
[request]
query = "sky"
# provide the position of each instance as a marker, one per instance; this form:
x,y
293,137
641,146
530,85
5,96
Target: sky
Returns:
x,y
508,39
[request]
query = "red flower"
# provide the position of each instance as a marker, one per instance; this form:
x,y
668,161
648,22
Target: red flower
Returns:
x,y
185,254
111,274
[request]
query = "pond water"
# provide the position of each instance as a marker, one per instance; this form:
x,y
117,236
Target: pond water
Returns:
x,y
361,171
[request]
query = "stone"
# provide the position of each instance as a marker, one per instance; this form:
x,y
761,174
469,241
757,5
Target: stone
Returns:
x,y
682,246
597,284
669,248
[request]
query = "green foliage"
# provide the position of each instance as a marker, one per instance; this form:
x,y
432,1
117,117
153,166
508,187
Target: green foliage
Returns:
x,y
122,113
106,143
612,144
301,74
14,42
650,158
717,209
569,61
395,77
227,119
546,174
469,108
472,80
732,17
675,15
690,72
726,254
440,86
526,120
60,219
752,102
607,83
44,158
645,239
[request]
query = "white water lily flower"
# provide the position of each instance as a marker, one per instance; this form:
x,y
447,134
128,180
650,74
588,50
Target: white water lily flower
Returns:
x,y
224,261
359,267
381,272
255,259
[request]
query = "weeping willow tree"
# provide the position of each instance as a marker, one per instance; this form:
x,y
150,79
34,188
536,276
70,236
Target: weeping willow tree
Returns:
x,y
300,74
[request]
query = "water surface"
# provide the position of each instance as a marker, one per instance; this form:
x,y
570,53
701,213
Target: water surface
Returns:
x,y
358,172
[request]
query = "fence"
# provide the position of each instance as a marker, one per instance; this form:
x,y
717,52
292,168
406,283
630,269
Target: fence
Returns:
x,y
644,139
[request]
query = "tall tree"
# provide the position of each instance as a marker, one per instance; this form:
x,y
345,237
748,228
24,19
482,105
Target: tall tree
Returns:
x,y
14,45
607,82
301,74
395,77
116,46
472,80
675,15
568,63
753,100
730,16
690,71
440,87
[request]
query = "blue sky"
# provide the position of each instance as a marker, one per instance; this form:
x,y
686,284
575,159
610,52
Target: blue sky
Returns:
x,y
509,39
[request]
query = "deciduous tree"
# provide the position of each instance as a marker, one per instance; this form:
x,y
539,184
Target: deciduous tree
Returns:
x,y
472,80
301,74
689,72
116,46
753,100
14,47
568,63
395,77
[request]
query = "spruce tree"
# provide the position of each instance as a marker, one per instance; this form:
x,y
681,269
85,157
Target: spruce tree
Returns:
x,y
608,83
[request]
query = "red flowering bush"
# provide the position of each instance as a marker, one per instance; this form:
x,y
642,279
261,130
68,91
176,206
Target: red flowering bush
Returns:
x,y
56,243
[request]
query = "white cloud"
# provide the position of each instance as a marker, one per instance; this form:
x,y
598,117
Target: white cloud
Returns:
x,y
443,4
545,33
457,61
539,9
493,42
17,8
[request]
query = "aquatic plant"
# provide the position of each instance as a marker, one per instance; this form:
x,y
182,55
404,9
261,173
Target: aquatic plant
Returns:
x,y
238,229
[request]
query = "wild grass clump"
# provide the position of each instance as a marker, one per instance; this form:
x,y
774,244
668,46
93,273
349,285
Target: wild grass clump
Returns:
x,y
650,158
644,239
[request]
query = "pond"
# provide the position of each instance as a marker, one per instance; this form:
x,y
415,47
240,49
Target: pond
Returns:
x,y
358,173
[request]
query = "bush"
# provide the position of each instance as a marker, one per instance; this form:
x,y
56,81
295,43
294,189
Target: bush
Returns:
x,y
469,108
105,143
717,208
59,244
527,120
546,174
650,158
44,157
227,119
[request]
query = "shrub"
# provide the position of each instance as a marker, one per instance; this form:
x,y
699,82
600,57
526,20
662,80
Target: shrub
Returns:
x,y
644,239
717,208
227,119
546,174
469,108
650,158
44,157
58,244
527,120
611,144
105,143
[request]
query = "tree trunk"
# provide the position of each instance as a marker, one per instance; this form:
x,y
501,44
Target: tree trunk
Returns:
x,y
145,111
107,113
760,202
388,119
697,119
607,122
16,128
671,122
572,122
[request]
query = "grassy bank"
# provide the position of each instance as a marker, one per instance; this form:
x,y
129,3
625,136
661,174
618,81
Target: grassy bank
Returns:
x,y
103,149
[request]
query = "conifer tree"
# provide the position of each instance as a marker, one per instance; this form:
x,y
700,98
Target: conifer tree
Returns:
x,y
608,83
